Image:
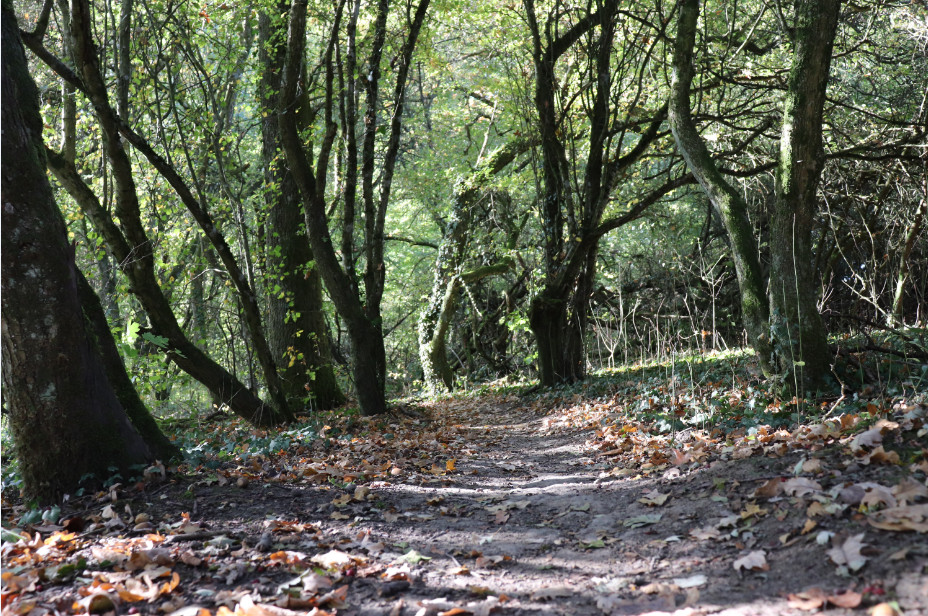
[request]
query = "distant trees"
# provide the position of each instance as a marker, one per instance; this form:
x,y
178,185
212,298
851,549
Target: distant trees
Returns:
x,y
256,194
357,297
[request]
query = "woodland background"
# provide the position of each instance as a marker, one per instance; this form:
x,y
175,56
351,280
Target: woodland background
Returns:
x,y
277,208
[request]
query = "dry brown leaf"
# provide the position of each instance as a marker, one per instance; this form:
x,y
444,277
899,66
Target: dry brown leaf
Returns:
x,y
910,517
751,510
812,466
335,559
870,438
653,498
880,456
847,553
800,486
752,561
909,490
848,599
876,495
705,534
809,600
770,489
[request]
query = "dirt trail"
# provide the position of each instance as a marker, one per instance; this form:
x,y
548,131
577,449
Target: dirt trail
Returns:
x,y
533,516
510,509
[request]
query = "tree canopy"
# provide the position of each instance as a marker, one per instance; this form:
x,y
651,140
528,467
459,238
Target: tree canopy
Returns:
x,y
283,204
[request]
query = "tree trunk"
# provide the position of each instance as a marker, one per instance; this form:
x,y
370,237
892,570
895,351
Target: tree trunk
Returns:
x,y
361,315
724,198
435,319
898,312
559,340
65,417
98,329
797,333
298,332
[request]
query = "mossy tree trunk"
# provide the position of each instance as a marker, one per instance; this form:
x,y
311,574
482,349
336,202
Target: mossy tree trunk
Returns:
x,y
798,336
727,201
435,319
297,328
309,165
65,417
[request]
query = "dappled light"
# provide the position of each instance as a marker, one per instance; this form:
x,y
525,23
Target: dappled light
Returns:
x,y
461,307
499,503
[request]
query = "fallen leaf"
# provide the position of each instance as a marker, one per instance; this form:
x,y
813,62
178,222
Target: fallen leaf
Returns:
x,y
910,490
870,438
880,456
800,486
770,489
809,600
335,559
847,599
752,510
653,498
847,553
752,561
413,557
642,520
910,517
693,581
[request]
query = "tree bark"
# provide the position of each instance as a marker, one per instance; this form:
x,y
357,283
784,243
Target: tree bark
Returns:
x,y
362,316
98,329
435,317
725,199
797,334
898,311
298,332
65,417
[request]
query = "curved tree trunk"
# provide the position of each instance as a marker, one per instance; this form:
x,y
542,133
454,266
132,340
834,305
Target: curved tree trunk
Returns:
x,y
65,417
725,199
435,319
798,335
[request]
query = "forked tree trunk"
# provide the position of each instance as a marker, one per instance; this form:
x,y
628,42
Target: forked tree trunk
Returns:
x,y
798,336
65,417
297,329
361,316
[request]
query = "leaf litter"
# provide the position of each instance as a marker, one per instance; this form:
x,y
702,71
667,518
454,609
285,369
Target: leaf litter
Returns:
x,y
504,505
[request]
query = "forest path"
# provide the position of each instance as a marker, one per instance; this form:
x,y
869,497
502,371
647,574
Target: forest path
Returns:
x,y
533,515
496,504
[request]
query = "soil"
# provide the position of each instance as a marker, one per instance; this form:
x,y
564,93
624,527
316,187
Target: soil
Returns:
x,y
518,511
